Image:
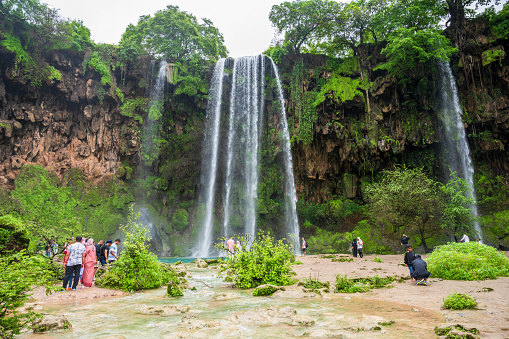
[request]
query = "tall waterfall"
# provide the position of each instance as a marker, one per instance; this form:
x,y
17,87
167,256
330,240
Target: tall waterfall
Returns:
x,y
238,153
457,152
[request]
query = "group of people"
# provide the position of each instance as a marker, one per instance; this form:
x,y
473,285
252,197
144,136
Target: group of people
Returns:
x,y
233,247
357,245
81,260
50,247
417,267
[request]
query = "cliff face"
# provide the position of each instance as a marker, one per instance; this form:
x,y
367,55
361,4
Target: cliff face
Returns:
x,y
63,124
397,123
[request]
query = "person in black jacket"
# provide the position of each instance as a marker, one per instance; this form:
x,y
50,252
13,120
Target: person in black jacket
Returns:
x,y
354,248
420,271
404,241
409,257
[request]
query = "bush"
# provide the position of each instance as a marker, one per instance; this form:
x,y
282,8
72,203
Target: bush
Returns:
x,y
459,301
347,285
20,274
137,268
263,261
467,261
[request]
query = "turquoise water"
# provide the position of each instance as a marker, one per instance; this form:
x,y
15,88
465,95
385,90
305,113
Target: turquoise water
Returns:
x,y
182,259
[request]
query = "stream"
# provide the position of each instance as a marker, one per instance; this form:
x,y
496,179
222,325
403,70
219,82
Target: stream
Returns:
x,y
215,309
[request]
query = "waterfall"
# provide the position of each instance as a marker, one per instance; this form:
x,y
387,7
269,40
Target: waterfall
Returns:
x,y
209,157
239,158
292,222
457,152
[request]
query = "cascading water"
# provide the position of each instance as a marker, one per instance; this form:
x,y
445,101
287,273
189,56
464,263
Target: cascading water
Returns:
x,y
242,151
457,152
209,157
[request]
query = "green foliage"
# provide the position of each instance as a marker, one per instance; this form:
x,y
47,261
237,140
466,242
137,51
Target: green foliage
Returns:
x,y
173,289
378,260
101,67
276,53
303,22
20,274
264,290
457,216
342,89
405,198
180,220
262,261
14,236
314,284
459,301
493,55
133,107
408,48
173,34
155,111
467,261
499,22
137,268
80,36
348,285
496,226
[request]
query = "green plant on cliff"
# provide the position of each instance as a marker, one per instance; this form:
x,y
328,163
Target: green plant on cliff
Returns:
x,y
133,107
341,88
493,55
137,268
262,261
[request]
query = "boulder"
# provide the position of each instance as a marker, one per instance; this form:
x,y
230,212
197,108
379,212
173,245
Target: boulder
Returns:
x,y
51,323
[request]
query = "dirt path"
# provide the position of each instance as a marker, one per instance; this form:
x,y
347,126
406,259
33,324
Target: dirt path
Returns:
x,y
492,317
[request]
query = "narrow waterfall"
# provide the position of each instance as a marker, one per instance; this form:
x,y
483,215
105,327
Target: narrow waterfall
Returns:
x,y
457,152
292,222
149,150
231,161
209,158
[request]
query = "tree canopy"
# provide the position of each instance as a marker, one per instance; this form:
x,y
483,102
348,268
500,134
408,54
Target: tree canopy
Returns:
x,y
175,35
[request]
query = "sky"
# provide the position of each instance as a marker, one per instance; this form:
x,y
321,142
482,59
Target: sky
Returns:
x,y
244,24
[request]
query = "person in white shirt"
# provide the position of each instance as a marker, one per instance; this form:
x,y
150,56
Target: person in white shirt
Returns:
x,y
113,255
465,238
360,243
75,257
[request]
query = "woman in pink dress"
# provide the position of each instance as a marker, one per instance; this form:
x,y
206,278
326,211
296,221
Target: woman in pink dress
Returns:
x,y
88,268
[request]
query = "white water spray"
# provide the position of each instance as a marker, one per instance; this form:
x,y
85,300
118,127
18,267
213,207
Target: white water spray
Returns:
x,y
457,152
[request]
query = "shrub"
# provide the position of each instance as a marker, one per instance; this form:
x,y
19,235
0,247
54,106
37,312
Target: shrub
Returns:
x,y
20,274
137,268
459,301
262,261
467,261
378,260
347,285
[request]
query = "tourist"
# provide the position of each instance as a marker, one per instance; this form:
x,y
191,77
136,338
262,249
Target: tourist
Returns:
x,y
47,248
304,246
231,245
54,247
404,241
409,257
420,271
98,254
89,264
238,247
359,247
354,248
74,258
113,255
465,238
479,241
105,249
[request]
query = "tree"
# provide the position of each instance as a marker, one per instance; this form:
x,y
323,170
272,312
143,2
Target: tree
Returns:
x,y
457,217
304,21
175,35
406,199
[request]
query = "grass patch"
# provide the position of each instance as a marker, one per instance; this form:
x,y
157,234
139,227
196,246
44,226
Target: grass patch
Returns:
x,y
378,260
459,301
348,285
342,259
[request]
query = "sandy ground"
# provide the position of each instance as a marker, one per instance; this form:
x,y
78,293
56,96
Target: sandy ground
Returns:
x,y
491,317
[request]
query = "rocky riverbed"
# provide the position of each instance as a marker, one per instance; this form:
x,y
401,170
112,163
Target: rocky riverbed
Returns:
x,y
216,309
